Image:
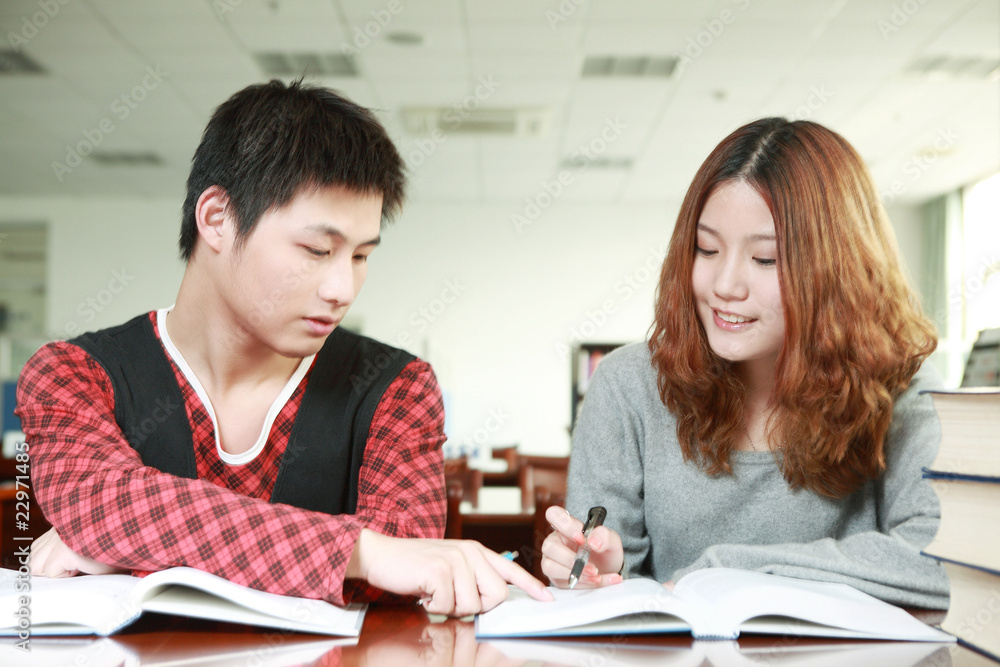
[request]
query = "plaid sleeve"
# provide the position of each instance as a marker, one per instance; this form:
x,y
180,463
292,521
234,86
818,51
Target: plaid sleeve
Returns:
x,y
403,454
92,486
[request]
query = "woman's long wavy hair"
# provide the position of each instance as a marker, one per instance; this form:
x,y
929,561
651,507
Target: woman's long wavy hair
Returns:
x,y
854,333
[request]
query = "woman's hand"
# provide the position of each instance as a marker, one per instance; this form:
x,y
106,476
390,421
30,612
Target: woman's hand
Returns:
x,y
559,552
50,557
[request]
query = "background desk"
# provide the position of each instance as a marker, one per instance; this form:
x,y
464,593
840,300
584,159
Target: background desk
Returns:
x,y
405,636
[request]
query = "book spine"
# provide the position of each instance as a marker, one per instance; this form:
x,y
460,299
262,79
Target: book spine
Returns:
x,y
942,559
929,473
978,649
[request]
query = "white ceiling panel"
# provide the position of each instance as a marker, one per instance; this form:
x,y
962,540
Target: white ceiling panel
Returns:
x,y
841,62
418,66
232,10
531,36
291,35
390,13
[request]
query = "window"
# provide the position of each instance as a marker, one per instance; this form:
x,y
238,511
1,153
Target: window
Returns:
x,y
972,266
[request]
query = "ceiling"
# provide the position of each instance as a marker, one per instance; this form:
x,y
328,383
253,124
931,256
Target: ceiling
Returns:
x,y
915,85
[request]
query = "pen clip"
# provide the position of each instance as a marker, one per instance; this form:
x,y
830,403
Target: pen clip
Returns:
x,y
595,517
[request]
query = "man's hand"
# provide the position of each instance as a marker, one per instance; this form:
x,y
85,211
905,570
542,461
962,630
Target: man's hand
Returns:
x,y
50,557
560,547
452,577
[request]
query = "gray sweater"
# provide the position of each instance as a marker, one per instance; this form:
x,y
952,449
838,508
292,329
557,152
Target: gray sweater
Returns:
x,y
674,518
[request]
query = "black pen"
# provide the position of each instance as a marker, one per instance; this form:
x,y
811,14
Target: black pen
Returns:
x,y
594,519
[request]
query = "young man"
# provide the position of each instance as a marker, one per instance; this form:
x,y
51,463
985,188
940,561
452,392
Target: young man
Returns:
x,y
240,431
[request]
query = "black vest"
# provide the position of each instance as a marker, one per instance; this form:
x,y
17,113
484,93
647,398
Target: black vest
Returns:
x,y
320,467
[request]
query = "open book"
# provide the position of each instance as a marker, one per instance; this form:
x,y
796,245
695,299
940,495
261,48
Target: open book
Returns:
x,y
103,604
714,603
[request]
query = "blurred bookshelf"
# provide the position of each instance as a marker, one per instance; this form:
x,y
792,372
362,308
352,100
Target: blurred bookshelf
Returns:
x,y
585,359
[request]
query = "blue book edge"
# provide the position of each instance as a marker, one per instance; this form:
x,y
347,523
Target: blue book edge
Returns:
x,y
958,562
930,473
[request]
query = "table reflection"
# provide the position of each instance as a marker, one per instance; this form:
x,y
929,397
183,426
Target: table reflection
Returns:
x,y
404,636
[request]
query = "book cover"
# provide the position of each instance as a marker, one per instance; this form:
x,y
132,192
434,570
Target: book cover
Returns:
x,y
969,531
970,432
974,612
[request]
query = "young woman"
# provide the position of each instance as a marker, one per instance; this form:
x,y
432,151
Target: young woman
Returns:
x,y
774,420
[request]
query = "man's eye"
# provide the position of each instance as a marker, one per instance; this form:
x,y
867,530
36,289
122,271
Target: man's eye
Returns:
x,y
317,252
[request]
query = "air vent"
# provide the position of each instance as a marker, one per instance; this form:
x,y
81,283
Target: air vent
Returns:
x,y
16,62
955,67
126,159
507,122
331,64
581,161
617,67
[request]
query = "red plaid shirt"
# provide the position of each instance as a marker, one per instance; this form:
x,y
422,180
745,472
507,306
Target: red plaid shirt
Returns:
x,y
93,487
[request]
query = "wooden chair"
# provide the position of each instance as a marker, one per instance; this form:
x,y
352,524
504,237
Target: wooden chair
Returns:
x,y
544,498
458,470
543,483
453,520
461,483
538,471
509,476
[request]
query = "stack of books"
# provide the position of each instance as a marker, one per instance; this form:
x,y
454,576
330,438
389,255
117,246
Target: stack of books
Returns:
x,y
966,477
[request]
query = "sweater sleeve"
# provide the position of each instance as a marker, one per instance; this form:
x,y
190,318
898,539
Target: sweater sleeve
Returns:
x,y
886,562
105,504
606,466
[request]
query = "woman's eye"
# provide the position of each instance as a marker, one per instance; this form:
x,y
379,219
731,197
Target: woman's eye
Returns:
x,y
704,252
763,261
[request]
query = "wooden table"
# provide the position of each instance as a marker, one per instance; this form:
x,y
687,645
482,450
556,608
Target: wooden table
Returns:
x,y
405,636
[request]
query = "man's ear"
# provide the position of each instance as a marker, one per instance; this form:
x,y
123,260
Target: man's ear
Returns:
x,y
210,214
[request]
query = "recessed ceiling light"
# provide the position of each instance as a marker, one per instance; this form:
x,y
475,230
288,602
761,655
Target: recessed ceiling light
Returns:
x,y
17,62
338,65
595,67
405,38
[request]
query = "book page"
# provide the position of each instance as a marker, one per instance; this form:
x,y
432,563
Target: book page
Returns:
x,y
189,592
738,595
86,604
642,605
